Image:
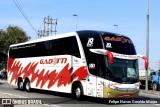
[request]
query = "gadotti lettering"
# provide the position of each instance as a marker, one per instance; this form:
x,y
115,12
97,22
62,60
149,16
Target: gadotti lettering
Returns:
x,y
53,61
118,39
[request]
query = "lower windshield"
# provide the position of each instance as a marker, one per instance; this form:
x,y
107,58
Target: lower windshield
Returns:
x,y
123,71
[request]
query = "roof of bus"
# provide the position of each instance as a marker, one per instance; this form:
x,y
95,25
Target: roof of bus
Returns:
x,y
66,35
103,32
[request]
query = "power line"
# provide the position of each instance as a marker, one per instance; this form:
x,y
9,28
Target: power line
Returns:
x,y
22,12
40,26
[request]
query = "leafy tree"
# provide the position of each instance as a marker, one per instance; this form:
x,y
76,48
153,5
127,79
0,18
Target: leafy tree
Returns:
x,y
12,35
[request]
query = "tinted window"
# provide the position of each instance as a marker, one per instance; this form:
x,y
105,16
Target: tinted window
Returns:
x,y
71,46
64,46
56,47
119,44
61,46
30,50
91,40
97,65
123,70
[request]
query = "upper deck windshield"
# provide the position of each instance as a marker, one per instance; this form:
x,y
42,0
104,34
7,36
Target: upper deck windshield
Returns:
x,y
118,44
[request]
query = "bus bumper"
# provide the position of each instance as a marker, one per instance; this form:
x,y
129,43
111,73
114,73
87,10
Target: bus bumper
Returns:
x,y
111,93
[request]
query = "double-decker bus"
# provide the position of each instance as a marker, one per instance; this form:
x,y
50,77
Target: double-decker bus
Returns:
x,y
90,63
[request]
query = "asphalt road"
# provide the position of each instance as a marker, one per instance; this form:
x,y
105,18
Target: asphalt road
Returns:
x,y
52,99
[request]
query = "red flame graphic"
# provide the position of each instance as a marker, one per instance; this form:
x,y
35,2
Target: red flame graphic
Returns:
x,y
64,77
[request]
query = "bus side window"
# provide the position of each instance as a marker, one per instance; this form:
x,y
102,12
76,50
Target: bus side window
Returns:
x,y
62,46
97,66
56,47
37,49
101,71
92,65
12,52
71,46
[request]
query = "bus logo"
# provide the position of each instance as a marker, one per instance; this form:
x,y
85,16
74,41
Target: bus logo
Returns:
x,y
53,61
118,39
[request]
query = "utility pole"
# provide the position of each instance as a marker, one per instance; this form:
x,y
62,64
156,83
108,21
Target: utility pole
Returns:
x,y
77,20
158,64
117,28
147,43
49,22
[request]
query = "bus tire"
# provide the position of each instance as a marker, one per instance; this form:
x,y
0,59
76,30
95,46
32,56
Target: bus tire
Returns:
x,y
20,85
155,87
27,85
77,92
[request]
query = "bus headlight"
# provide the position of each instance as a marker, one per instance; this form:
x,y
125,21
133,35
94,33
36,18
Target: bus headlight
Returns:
x,y
137,85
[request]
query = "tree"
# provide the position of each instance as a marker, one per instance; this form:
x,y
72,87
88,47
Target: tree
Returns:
x,y
12,35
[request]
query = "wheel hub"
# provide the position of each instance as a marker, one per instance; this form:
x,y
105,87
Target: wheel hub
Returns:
x,y
21,85
78,92
27,86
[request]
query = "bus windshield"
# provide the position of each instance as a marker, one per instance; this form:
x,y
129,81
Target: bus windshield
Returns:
x,y
123,71
119,44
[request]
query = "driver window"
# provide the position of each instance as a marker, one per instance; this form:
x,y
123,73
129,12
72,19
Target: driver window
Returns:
x,y
97,66
154,73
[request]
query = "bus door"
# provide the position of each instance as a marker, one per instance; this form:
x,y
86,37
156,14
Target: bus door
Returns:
x,y
96,79
92,79
101,74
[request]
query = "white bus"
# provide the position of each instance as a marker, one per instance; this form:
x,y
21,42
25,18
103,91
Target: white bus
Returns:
x,y
90,63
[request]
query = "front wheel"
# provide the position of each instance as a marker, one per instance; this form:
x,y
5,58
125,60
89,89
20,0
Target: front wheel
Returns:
x,y
77,92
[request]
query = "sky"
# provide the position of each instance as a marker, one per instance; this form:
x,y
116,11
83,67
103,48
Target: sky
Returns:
x,y
128,15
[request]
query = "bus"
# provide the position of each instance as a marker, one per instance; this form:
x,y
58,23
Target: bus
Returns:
x,y
84,63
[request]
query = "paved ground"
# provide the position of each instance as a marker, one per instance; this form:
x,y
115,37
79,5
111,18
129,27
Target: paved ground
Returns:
x,y
3,95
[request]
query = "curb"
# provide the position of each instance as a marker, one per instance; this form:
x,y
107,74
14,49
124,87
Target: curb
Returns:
x,y
150,92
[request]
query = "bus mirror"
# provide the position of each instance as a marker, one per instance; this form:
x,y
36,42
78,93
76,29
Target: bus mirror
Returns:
x,y
104,52
110,57
145,59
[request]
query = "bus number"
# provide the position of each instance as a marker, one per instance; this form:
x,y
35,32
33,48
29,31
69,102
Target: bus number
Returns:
x,y
90,42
